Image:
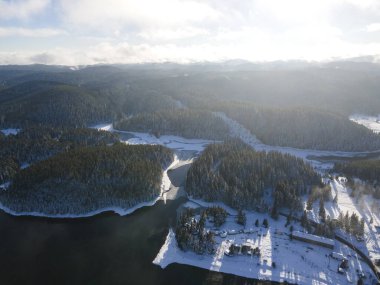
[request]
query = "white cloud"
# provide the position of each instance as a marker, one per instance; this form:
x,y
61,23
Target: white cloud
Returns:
x,y
363,4
21,9
265,49
374,27
25,32
172,34
129,31
117,14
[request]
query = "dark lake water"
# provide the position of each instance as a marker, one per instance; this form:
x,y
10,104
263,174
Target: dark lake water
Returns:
x,y
105,249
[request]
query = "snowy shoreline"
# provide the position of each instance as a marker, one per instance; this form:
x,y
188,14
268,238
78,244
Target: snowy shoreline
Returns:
x,y
117,210
296,262
165,185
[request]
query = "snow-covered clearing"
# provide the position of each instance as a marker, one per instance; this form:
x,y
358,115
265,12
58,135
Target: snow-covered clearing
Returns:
x,y
361,207
238,130
370,122
8,132
295,261
169,141
104,127
172,142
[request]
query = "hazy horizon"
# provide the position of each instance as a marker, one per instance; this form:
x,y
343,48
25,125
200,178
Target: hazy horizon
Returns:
x,y
88,32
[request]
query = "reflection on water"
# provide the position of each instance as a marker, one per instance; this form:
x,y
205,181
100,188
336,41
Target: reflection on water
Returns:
x,y
106,249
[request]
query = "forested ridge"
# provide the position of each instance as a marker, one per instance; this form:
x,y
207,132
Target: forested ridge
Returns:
x,y
184,122
40,142
235,174
304,128
52,104
86,179
286,107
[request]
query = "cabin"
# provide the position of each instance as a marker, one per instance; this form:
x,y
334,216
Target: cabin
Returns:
x,y
235,248
313,239
246,248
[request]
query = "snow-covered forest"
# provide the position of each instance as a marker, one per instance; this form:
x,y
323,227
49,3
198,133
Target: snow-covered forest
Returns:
x,y
233,173
87,179
185,123
40,142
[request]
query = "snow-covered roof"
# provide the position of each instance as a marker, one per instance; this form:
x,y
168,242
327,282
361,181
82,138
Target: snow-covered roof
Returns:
x,y
313,238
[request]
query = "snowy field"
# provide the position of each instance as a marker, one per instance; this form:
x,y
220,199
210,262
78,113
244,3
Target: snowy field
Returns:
x,y
172,142
362,207
370,122
295,261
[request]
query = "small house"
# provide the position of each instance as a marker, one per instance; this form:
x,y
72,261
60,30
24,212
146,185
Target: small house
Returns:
x,y
246,248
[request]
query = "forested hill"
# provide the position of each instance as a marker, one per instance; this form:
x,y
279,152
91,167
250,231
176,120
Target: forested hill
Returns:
x,y
38,142
284,104
87,179
235,174
184,122
367,170
302,128
52,104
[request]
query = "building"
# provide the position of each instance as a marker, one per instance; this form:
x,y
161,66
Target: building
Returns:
x,y
313,239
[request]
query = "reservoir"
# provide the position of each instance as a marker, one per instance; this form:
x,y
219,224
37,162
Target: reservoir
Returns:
x,y
104,249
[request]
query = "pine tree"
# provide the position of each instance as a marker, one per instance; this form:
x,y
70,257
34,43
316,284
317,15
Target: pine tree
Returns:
x,y
241,218
274,212
347,222
322,211
257,223
309,204
265,223
361,227
304,220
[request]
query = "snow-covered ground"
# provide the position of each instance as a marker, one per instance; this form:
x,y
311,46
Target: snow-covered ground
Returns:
x,y
295,261
172,142
370,122
8,132
238,130
104,127
362,207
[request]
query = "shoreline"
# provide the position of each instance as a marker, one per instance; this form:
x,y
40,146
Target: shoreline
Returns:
x,y
276,247
165,186
117,210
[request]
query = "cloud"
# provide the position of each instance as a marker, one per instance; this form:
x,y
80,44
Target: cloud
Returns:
x,y
264,49
374,27
172,34
118,15
21,9
26,32
129,31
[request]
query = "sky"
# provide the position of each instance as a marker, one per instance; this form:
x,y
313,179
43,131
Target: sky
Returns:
x,y
83,32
